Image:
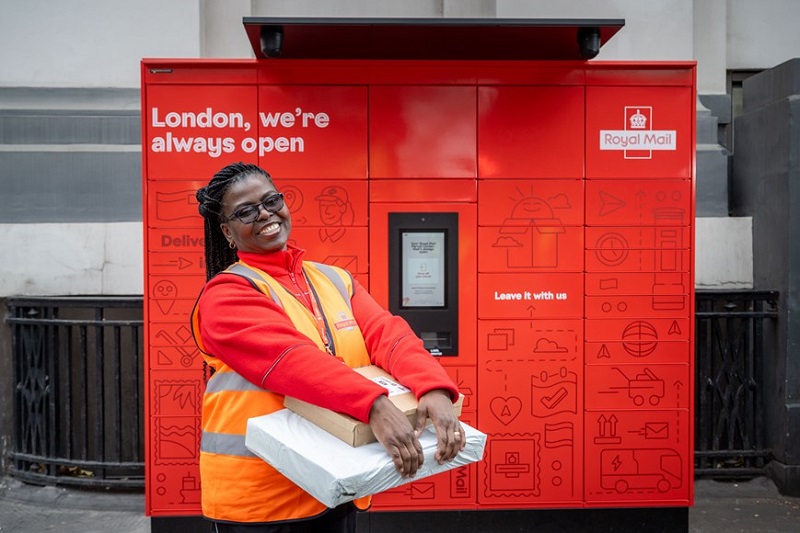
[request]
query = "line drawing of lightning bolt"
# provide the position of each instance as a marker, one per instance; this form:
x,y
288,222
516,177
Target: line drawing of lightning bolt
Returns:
x,y
617,463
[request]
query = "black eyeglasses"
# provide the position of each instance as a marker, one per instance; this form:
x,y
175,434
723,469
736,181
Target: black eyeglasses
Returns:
x,y
249,213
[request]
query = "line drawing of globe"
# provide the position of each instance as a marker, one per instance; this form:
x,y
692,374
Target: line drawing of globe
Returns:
x,y
639,338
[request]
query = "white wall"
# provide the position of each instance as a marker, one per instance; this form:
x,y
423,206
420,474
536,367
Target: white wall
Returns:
x,y
654,30
71,259
91,43
724,253
763,33
99,43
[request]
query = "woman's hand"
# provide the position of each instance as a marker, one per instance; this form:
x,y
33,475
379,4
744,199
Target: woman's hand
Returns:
x,y
437,406
393,430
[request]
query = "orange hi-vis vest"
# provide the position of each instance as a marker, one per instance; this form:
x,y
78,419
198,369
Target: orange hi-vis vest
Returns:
x,y
237,485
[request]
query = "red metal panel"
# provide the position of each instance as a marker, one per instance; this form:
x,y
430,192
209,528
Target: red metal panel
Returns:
x,y
347,248
638,458
629,74
640,340
531,249
637,132
639,345
610,257
172,204
639,332
174,430
633,203
172,297
185,240
518,203
332,204
532,342
548,73
664,304
602,284
637,386
552,295
312,131
422,132
164,263
663,236
530,132
191,134
172,347
194,72
423,190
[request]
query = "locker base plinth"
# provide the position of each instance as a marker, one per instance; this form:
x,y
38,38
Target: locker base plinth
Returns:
x,y
658,519
661,519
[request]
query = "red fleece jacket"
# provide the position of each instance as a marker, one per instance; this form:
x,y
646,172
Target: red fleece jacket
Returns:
x,y
250,333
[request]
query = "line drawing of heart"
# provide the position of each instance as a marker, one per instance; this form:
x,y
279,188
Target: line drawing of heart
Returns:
x,y
505,409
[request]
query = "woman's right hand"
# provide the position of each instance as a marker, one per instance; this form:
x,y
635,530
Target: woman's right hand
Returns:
x,y
394,431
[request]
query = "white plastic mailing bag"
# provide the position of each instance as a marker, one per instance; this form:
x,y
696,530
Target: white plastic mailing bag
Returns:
x,y
333,471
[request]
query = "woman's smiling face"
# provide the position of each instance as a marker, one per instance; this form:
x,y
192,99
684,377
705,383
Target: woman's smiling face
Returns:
x,y
269,232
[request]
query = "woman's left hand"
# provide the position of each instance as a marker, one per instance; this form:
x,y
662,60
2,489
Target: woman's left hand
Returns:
x,y
437,406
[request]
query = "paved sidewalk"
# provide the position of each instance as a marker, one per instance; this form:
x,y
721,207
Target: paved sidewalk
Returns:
x,y
754,507
750,506
31,509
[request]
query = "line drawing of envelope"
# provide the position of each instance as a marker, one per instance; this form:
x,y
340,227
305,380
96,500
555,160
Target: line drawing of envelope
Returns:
x,y
422,491
656,430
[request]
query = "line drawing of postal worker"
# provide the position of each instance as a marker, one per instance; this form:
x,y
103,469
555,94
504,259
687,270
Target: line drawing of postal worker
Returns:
x,y
335,211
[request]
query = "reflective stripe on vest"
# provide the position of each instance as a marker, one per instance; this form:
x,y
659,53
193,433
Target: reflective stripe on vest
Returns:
x,y
229,381
224,443
252,276
332,275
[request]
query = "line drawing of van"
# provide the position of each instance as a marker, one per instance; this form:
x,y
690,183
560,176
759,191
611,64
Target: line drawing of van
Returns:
x,y
631,469
643,385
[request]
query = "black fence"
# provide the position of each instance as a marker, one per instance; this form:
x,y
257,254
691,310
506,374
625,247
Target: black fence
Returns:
x,y
78,398
732,331
79,410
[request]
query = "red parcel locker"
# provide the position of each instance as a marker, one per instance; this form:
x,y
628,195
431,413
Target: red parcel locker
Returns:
x,y
555,201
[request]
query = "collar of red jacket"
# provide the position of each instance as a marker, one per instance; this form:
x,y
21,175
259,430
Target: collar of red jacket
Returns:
x,y
276,263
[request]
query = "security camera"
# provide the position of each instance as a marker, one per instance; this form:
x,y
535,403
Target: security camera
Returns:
x,y
589,42
272,41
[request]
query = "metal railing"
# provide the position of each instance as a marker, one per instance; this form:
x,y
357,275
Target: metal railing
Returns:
x,y
732,330
78,397
79,391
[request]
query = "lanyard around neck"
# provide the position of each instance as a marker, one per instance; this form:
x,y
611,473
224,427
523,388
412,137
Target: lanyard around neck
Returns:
x,y
322,326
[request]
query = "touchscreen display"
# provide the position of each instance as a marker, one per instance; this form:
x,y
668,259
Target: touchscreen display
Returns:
x,y
423,264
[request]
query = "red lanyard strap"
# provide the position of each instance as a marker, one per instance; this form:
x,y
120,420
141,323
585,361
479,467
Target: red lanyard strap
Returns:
x,y
322,324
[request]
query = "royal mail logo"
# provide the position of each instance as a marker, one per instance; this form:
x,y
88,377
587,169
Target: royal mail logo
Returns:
x,y
638,140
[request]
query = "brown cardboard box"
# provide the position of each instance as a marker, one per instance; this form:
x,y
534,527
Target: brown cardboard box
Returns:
x,y
347,428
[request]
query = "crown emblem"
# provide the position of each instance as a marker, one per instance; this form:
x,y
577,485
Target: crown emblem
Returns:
x,y
638,121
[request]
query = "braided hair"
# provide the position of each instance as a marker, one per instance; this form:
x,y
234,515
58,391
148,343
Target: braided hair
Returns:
x,y
219,255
